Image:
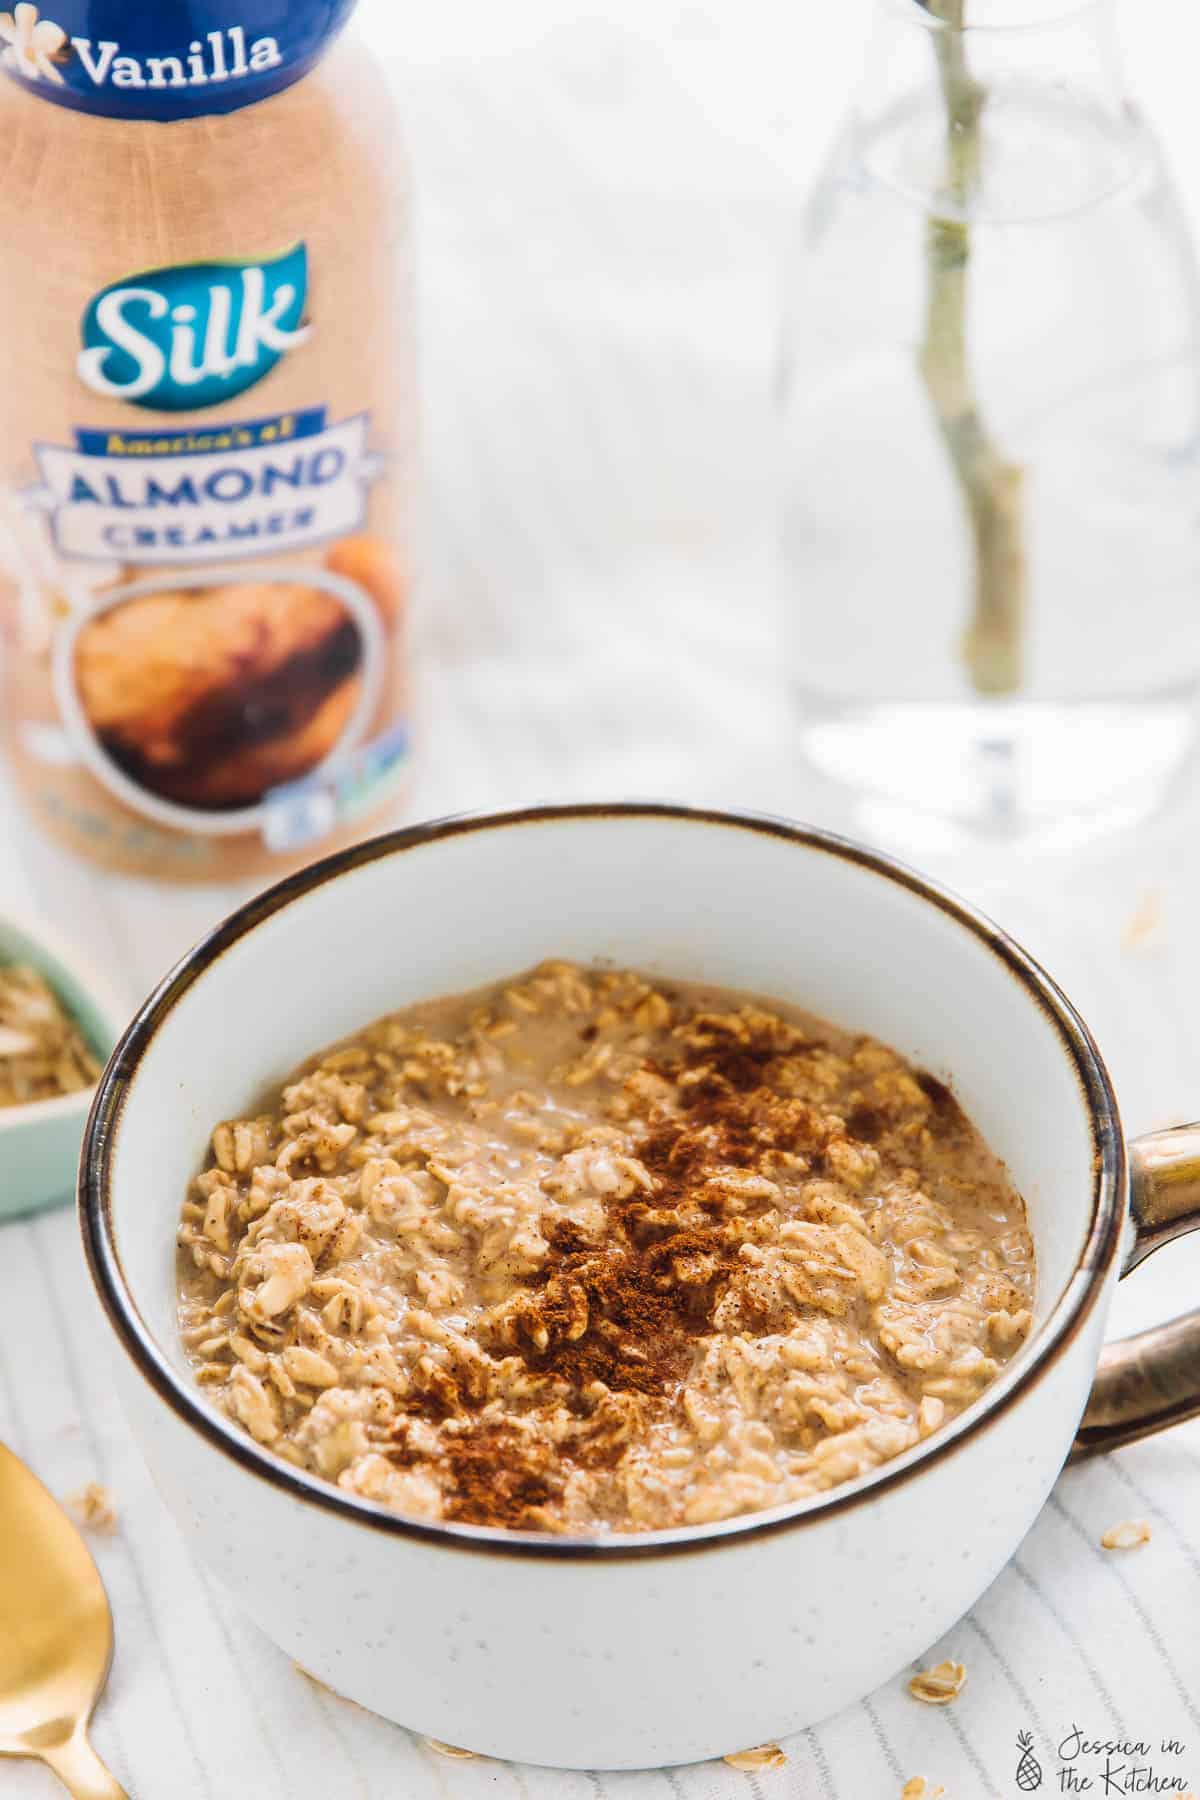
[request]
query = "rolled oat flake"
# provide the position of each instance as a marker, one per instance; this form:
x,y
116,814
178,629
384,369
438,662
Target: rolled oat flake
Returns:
x,y
205,411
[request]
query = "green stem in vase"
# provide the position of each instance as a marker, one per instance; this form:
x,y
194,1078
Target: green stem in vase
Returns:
x,y
991,486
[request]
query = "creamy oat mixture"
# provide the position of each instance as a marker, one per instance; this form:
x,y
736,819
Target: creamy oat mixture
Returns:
x,y
591,1251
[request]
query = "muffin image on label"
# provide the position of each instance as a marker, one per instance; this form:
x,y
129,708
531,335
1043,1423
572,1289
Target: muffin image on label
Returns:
x,y
197,702
212,697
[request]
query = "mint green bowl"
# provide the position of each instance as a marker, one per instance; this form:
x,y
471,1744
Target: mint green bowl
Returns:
x,y
39,1143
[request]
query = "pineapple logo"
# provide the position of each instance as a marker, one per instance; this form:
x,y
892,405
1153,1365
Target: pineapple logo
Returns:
x,y
1029,1769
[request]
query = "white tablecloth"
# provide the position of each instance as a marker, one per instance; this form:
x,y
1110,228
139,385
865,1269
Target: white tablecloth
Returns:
x,y
601,205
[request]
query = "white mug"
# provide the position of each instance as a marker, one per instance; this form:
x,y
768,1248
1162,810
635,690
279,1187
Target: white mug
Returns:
x,y
665,1646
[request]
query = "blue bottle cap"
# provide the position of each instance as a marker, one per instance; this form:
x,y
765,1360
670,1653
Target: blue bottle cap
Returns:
x,y
164,59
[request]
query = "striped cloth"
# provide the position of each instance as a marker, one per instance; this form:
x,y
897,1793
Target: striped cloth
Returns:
x,y
601,209
202,1707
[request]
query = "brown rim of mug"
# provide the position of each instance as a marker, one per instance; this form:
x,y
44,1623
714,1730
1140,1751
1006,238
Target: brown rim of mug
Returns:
x,y
1076,1302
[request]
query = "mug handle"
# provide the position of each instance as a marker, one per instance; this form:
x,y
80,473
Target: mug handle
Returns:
x,y
1151,1380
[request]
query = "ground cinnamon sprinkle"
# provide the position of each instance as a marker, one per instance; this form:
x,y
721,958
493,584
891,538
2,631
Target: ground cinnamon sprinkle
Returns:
x,y
636,1327
501,1477
581,1252
625,1309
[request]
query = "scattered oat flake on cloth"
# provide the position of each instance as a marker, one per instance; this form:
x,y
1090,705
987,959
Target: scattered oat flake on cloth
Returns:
x,y
92,1507
765,1756
449,1750
325,1688
309,1676
1130,1534
1143,929
940,1685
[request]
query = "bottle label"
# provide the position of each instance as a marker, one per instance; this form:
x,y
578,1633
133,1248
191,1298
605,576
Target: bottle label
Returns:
x,y
164,59
264,484
193,335
209,599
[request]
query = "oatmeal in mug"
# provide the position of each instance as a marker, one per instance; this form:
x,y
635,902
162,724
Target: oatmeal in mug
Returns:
x,y
592,1251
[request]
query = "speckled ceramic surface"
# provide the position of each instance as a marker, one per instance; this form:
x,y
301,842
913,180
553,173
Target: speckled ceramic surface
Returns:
x,y
39,1143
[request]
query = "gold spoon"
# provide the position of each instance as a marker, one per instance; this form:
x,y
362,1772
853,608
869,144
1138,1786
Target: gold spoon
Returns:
x,y
55,1636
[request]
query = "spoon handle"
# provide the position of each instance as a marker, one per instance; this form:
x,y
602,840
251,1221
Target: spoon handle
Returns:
x,y
81,1772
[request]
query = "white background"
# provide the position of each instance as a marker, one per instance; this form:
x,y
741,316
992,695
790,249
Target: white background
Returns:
x,y
603,197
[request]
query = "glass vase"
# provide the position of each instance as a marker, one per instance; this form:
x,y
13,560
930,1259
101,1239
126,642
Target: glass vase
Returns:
x,y
990,393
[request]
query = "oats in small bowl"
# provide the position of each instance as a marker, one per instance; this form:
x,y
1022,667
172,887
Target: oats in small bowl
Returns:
x,y
57,1027
43,1052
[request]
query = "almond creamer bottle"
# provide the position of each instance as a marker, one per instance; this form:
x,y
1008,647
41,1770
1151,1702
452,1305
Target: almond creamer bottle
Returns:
x,y
205,413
